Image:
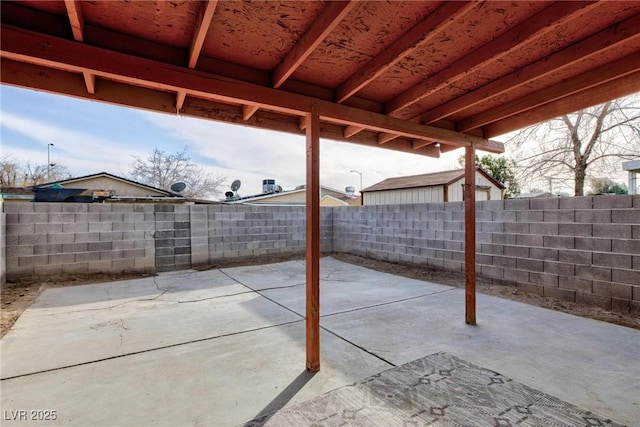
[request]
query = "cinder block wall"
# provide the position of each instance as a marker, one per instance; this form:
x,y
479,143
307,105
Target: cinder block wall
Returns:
x,y
3,244
70,238
225,232
583,249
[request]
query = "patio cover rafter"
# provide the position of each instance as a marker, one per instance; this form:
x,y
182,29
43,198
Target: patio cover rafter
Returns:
x,y
425,31
202,26
593,78
527,31
608,38
76,18
328,19
26,46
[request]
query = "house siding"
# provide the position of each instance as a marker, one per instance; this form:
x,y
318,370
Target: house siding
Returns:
x,y
120,187
432,194
405,195
494,193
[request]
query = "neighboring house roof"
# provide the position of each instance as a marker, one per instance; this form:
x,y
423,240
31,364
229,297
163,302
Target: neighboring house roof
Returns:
x,y
111,176
329,200
16,193
17,190
426,180
533,195
631,166
325,191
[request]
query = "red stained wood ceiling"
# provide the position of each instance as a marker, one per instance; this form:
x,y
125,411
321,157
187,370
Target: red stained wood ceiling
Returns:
x,y
416,76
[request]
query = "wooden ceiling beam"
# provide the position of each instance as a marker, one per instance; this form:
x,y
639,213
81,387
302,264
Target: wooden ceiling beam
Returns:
x,y
197,40
341,114
40,49
59,82
89,82
180,97
427,146
200,32
623,86
76,19
328,19
589,79
212,110
425,31
608,38
445,148
418,143
383,138
21,74
125,43
526,31
349,131
248,111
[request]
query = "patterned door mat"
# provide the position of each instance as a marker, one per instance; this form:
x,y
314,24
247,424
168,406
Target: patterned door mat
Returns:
x,y
437,390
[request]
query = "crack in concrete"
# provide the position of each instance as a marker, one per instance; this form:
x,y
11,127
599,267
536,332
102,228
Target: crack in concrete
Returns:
x,y
110,307
215,297
262,295
122,331
389,302
155,282
149,350
328,278
278,287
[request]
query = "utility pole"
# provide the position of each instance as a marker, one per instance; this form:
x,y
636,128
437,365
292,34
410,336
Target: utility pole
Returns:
x,y
49,164
359,173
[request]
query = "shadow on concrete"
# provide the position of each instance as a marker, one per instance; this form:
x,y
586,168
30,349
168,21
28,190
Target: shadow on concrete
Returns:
x,y
281,399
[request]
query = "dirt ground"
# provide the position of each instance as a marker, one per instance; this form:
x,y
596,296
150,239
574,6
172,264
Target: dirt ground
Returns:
x,y
16,296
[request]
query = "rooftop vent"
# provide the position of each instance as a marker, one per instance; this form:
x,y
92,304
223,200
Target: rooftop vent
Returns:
x,y
268,186
350,190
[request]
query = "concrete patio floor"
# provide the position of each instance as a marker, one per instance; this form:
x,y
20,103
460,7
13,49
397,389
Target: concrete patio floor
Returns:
x,y
220,347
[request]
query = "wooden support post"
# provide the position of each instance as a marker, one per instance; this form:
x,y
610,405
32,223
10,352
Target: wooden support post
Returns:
x,y
470,234
313,240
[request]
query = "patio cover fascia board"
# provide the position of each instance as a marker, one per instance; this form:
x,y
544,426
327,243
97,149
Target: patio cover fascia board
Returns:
x,y
45,50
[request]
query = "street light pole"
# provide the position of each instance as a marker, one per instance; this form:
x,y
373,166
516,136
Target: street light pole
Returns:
x,y
359,173
49,160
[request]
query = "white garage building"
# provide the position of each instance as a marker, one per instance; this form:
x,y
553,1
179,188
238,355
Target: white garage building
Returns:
x,y
447,186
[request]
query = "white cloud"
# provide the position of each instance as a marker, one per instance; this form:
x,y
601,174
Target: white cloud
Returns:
x,y
239,152
81,152
251,155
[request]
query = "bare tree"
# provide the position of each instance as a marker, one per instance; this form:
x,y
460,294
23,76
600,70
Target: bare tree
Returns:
x,y
574,147
162,170
10,173
15,174
39,174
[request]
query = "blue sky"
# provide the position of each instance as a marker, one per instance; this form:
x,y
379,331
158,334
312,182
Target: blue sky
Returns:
x,y
91,137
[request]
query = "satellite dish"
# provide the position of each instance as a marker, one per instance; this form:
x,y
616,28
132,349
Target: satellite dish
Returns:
x,y
278,189
235,185
178,187
229,194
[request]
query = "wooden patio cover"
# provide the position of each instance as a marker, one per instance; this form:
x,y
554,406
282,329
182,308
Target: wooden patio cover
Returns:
x,y
423,77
